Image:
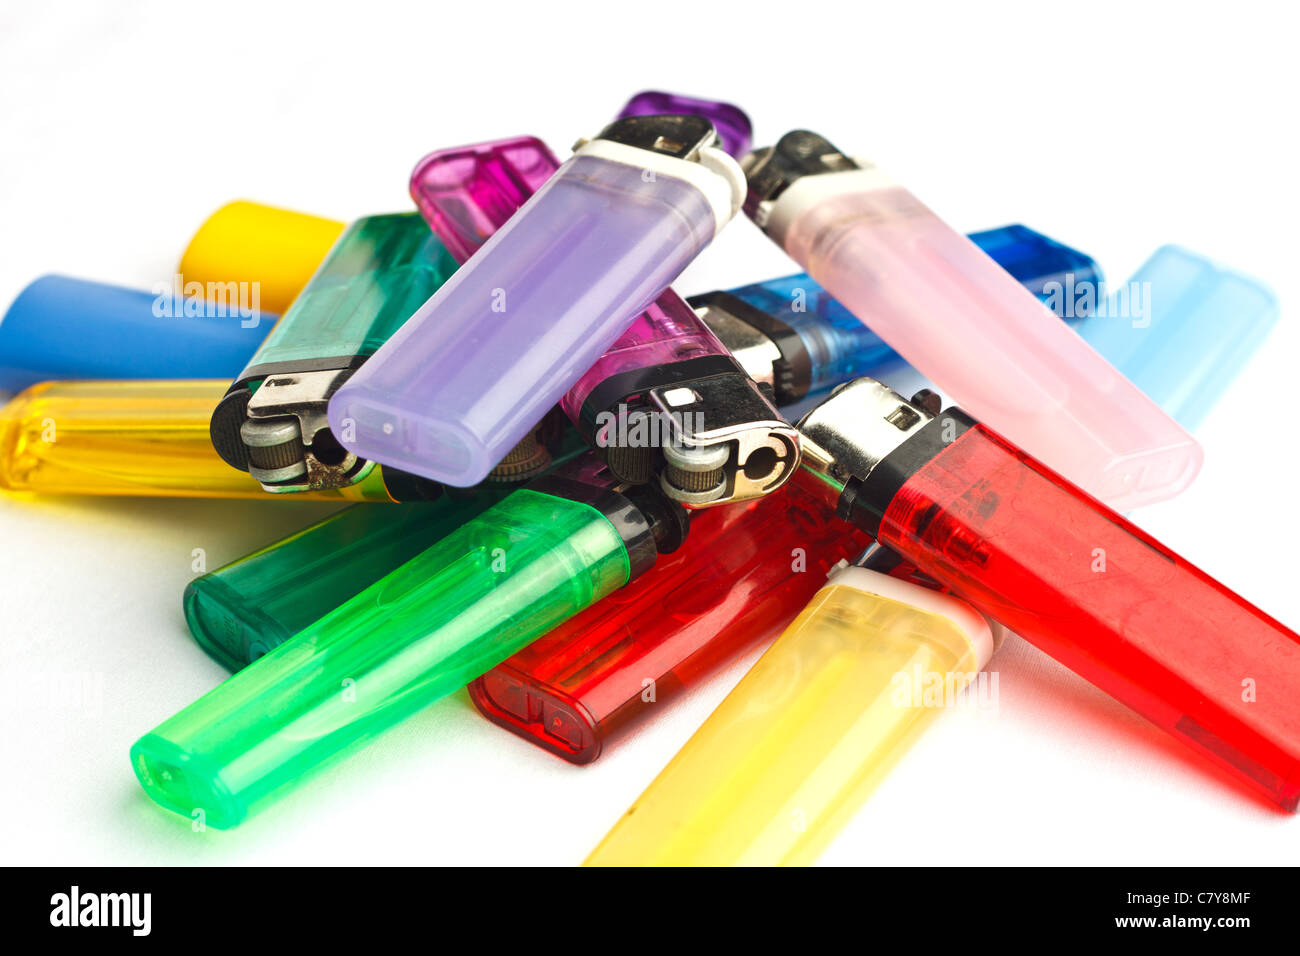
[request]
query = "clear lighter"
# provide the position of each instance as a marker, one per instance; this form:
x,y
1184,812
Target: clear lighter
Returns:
x,y
272,421
479,364
789,333
978,515
144,437
460,607
666,402
799,743
964,323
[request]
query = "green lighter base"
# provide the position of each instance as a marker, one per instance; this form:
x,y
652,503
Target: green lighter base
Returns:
x,y
233,633
184,783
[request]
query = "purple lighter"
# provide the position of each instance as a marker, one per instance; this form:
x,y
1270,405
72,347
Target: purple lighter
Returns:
x,y
478,365
667,399
730,121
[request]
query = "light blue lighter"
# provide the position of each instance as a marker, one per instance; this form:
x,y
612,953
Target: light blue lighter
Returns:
x,y
1182,329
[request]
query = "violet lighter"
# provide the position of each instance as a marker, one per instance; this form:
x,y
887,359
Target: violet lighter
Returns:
x,y
666,401
479,364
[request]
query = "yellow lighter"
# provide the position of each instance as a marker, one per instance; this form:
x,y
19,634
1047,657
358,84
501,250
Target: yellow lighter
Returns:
x,y
139,437
797,746
248,242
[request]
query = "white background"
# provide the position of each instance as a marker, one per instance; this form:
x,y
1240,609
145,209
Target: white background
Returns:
x,y
1112,128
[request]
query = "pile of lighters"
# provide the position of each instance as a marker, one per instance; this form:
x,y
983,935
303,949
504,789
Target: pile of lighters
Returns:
x,y
595,495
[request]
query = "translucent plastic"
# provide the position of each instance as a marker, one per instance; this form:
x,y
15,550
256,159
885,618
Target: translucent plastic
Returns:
x,y
985,342
668,331
1109,602
128,438
732,125
63,328
841,348
379,272
1182,329
249,242
248,607
467,377
437,622
744,573
1038,263
467,193
796,747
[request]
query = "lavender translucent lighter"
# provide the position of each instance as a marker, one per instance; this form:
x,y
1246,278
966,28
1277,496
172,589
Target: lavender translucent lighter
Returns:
x,y
467,193
965,323
667,399
479,364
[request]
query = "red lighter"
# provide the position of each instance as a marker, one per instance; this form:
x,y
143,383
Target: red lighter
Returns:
x,y
745,572
1059,568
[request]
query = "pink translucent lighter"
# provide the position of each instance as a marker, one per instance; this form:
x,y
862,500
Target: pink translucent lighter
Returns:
x,y
467,193
965,324
666,401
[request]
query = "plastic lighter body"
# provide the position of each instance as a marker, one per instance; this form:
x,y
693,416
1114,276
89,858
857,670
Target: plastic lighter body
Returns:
x,y
799,743
485,358
241,611
60,328
742,576
1041,265
1180,330
731,122
966,324
791,334
144,437
272,422
666,400
277,250
466,194
568,693
444,617
1036,553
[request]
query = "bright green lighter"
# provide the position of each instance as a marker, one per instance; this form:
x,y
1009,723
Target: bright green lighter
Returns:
x,y
459,608
247,608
